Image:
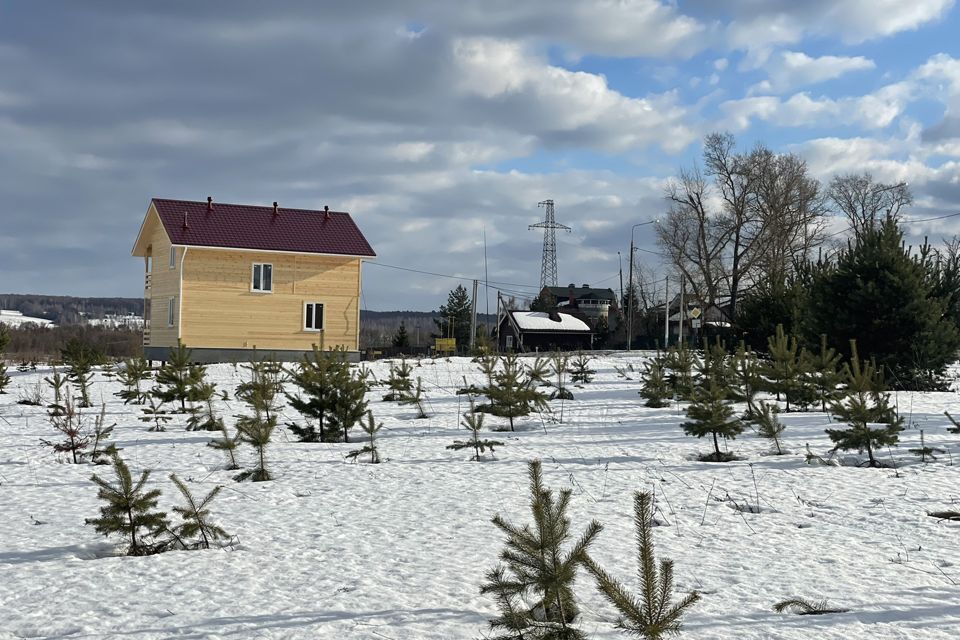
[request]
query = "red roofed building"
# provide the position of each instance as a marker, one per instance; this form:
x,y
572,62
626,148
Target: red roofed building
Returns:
x,y
229,279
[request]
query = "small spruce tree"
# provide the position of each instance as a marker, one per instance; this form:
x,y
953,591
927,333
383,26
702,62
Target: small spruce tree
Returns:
x,y
80,358
650,615
348,403
580,370
129,510
560,365
473,421
539,371
195,516
401,340
679,367
371,428
155,414
176,377
655,389
710,413
513,394
416,399
228,444
69,424
747,379
101,433
399,382
783,369
825,370
536,564
131,374
866,404
768,426
58,383
316,378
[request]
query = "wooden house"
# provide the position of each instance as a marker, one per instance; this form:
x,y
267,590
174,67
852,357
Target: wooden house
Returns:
x,y
523,331
232,280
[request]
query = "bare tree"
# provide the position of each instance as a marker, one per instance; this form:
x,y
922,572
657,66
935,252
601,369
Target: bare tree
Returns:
x,y
865,202
770,212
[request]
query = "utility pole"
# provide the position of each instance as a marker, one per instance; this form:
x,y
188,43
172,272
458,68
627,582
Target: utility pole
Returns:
x,y
666,313
683,285
473,317
630,290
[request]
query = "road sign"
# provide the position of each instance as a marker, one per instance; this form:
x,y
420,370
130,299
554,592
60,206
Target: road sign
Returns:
x,y
695,313
695,323
445,345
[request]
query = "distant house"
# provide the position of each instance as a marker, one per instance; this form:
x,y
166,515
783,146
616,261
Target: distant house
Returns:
x,y
590,302
543,331
229,279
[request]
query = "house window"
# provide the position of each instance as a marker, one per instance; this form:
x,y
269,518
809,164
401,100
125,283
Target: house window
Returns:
x,y
173,257
313,316
262,277
171,309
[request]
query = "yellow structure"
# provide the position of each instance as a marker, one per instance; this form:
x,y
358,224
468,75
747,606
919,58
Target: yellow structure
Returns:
x,y
226,280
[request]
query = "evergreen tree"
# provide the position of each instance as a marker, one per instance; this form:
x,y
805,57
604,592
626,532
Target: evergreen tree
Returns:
x,y
580,370
513,394
80,358
650,615
399,382
205,418
371,428
825,371
4,341
57,382
539,371
261,388
655,389
400,339
69,425
711,414
679,367
131,374
102,433
129,510
177,377
228,444
348,403
316,379
768,426
256,430
747,379
560,365
882,295
195,516
866,404
416,399
473,421
543,302
783,368
156,414
454,321
536,564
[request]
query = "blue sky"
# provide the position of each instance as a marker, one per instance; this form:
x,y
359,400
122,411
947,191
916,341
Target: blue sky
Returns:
x,y
432,122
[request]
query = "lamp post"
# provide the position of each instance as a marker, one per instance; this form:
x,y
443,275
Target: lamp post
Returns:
x,y
630,287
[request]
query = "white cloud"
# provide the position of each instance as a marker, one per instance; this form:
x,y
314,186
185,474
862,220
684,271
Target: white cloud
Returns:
x,y
791,69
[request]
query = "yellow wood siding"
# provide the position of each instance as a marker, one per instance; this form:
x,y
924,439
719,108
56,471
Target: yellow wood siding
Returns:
x,y
164,282
220,310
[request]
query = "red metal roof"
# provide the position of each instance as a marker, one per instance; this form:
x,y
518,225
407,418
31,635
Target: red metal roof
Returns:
x,y
241,226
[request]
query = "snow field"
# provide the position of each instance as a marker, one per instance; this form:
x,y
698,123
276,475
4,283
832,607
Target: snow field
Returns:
x,y
332,549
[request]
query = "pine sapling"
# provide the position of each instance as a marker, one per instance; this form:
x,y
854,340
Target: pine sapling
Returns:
x,y
747,379
415,398
203,418
768,425
155,414
129,510
101,433
866,404
195,516
133,372
371,428
399,381
58,383
679,367
804,607
69,425
655,389
176,377
539,371
4,341
580,371
512,394
782,370
256,430
473,421
956,425
560,365
228,444
651,614
711,414
924,451
537,565
825,368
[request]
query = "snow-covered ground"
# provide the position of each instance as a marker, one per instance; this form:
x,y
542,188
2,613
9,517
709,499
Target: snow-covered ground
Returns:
x,y
333,549
17,319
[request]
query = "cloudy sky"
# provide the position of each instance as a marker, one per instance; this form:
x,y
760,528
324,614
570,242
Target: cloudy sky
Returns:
x,y
433,122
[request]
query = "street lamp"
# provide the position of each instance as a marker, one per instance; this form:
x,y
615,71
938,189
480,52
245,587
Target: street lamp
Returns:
x,y
630,287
